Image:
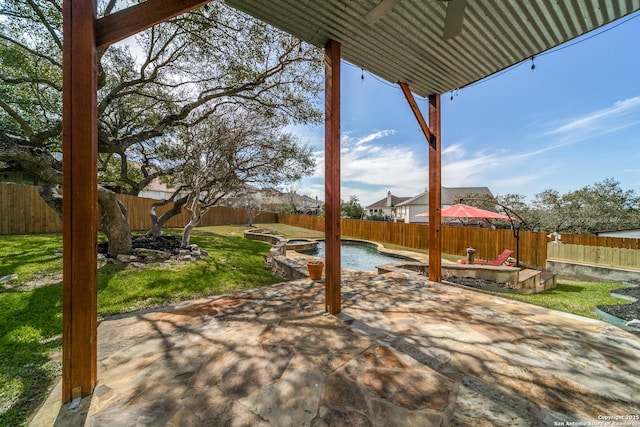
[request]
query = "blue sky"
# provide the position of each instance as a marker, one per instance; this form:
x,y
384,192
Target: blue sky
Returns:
x,y
573,121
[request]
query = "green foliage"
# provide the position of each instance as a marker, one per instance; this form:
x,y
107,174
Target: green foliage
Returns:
x,y
378,217
30,71
110,173
599,207
183,71
602,206
352,208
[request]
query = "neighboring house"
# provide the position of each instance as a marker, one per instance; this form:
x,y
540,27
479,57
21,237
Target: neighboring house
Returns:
x,y
272,200
276,201
24,178
385,207
407,210
631,233
157,190
267,200
18,178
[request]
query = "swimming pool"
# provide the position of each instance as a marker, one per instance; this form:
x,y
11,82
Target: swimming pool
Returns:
x,y
358,256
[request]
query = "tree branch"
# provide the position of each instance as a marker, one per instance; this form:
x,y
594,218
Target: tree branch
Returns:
x,y
24,125
37,161
44,21
31,51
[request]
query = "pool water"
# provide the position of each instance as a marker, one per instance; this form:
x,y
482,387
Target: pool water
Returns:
x,y
357,257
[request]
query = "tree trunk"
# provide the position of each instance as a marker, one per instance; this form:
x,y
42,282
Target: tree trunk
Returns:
x,y
186,234
159,221
115,222
51,197
196,210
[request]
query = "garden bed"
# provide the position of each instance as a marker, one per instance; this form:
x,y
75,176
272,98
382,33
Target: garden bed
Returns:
x,y
627,312
487,285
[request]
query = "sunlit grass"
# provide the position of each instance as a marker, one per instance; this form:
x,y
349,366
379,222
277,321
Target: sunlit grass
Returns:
x,y
575,297
30,256
233,264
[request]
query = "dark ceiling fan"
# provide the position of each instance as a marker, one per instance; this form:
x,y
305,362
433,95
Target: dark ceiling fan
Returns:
x,y
453,19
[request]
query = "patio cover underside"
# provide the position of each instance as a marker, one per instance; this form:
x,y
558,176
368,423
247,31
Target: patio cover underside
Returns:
x,y
402,40
399,40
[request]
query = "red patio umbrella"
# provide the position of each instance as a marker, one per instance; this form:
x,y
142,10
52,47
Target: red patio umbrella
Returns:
x,y
465,211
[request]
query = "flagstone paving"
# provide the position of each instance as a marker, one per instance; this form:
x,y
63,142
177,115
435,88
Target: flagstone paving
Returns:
x,y
404,352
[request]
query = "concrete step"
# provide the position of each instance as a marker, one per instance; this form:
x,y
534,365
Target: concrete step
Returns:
x,y
527,273
532,281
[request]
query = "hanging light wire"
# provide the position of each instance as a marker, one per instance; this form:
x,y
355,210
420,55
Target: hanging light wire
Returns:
x,y
511,68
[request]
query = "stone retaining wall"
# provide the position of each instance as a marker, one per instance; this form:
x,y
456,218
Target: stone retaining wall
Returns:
x,y
282,266
591,273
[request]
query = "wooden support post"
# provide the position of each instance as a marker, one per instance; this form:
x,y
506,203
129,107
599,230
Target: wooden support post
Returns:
x,y
435,191
432,134
80,206
332,176
431,139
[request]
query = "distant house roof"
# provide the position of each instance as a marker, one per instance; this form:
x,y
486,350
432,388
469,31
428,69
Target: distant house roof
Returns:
x,y
633,233
283,198
449,195
382,203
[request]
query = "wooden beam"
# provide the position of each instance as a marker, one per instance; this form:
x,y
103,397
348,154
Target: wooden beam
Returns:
x,y
127,22
435,190
332,176
80,207
431,139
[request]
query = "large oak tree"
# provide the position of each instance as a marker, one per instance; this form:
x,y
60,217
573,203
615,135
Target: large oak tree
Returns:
x,y
169,78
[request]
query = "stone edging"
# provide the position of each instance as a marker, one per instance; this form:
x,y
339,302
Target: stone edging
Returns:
x,y
281,265
616,320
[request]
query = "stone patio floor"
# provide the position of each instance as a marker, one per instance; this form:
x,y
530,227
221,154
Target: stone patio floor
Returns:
x,y
404,352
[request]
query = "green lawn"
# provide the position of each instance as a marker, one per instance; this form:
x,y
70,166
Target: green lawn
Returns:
x,y
576,297
31,321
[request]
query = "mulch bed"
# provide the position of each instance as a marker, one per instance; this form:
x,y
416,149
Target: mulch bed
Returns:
x,y
169,244
476,283
625,311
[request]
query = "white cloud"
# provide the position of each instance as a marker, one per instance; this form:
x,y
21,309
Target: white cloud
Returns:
x,y
460,169
370,169
620,115
375,135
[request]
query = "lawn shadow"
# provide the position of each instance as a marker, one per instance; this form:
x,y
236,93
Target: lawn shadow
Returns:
x,y
30,334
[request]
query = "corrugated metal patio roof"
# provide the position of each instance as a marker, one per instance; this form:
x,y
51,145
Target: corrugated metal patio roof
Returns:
x,y
403,39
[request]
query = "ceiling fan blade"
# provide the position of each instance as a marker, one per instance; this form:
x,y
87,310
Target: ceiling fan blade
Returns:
x,y
454,18
379,11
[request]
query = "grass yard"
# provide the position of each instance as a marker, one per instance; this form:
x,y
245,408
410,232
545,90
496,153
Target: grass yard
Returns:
x,y
575,297
31,314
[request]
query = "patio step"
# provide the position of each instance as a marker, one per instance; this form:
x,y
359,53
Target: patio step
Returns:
x,y
529,281
532,281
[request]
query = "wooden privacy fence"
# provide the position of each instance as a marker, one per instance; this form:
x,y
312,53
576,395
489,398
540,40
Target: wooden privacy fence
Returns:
x,y
596,255
22,210
455,240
